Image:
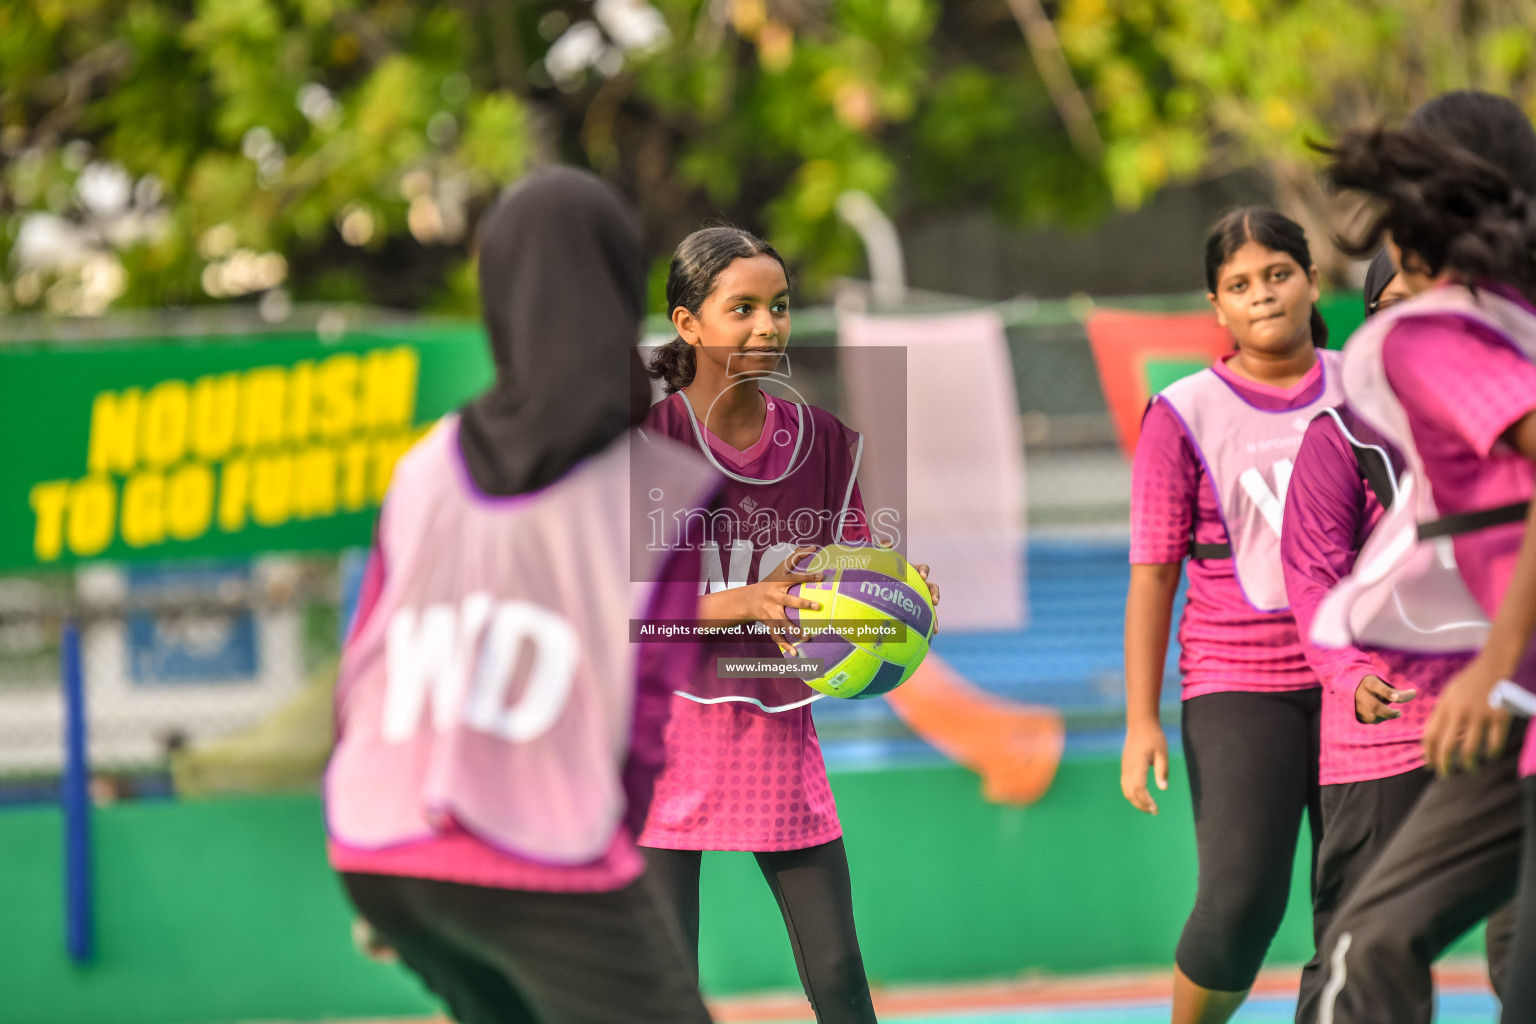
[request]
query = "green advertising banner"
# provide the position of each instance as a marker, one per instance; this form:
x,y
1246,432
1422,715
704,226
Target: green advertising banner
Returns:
x,y
169,448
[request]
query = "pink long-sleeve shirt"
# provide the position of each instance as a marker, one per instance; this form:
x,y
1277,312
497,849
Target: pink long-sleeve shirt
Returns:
x,y
1462,387
1225,643
1329,511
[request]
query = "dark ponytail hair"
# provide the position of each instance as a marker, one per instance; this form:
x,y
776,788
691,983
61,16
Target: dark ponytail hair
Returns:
x,y
696,266
1457,188
1273,231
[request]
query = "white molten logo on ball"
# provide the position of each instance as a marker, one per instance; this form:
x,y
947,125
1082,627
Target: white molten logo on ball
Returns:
x,y
896,597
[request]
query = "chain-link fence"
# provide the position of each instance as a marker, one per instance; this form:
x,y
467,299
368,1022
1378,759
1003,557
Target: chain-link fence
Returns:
x,y
220,672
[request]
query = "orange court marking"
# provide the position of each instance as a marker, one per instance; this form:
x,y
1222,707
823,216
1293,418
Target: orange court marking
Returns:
x,y
1014,747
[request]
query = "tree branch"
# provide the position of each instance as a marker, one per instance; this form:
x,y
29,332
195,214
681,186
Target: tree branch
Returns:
x,y
507,46
1070,103
76,82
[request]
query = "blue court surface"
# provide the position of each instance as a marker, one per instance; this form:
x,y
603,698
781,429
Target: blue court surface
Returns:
x,y
1455,1007
1467,1008
1068,656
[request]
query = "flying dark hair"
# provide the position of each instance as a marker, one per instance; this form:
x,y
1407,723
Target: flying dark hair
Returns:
x,y
696,266
1456,185
1273,231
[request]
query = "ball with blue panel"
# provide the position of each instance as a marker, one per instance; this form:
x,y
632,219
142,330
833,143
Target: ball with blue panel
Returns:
x,y
863,586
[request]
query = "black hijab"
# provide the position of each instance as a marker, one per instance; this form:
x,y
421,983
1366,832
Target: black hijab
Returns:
x,y
1377,276
562,285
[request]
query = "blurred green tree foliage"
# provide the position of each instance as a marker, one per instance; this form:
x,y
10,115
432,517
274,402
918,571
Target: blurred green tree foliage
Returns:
x,y
165,153
1185,88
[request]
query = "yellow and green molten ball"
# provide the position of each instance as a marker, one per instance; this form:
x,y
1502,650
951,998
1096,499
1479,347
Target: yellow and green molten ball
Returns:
x,y
869,587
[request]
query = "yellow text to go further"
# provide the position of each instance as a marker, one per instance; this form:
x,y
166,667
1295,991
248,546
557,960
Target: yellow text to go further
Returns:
x,y
187,501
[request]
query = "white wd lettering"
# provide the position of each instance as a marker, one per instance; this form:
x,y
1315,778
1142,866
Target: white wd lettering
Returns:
x,y
429,657
1271,505
432,654
549,681
772,558
715,579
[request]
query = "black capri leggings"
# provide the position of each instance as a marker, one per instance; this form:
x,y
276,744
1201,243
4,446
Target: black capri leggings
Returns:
x,y
1253,764
815,896
503,956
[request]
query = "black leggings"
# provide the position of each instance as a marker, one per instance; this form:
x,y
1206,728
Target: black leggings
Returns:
x,y
815,896
1359,821
1253,760
1359,818
1520,982
1452,862
503,956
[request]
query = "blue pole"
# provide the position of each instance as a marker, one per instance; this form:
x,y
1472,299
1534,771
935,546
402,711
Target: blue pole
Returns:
x,y
75,797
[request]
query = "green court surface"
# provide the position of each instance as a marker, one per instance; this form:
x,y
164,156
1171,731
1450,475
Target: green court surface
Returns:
x,y
223,911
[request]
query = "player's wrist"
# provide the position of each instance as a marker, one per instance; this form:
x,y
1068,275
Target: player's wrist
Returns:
x,y
1499,659
729,606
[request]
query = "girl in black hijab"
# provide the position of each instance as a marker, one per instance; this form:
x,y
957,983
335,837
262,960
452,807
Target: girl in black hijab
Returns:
x,y
497,857
562,284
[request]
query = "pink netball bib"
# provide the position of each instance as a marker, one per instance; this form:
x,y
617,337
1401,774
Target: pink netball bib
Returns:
x,y
798,490
1407,593
1248,453
492,684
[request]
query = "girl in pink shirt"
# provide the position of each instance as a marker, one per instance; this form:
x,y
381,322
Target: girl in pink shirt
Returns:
x,y
1448,376
1376,701
744,769
1208,482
